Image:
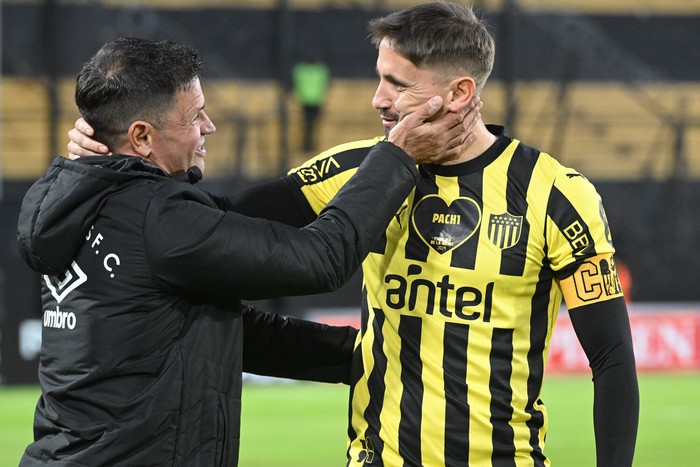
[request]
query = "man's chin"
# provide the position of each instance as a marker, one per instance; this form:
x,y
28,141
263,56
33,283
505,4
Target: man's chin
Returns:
x,y
200,164
387,129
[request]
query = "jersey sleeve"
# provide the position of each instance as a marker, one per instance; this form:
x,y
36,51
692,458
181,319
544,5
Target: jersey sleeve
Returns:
x,y
320,178
580,247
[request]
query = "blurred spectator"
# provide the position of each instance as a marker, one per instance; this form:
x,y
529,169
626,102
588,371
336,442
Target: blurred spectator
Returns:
x,y
311,79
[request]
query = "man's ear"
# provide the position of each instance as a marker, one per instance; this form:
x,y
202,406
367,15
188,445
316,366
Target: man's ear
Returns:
x,y
141,138
462,90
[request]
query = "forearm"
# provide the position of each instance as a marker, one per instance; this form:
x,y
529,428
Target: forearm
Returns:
x,y
254,258
293,348
616,415
604,332
275,201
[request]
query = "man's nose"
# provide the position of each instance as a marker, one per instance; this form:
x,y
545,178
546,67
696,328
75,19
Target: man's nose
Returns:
x,y
208,125
380,99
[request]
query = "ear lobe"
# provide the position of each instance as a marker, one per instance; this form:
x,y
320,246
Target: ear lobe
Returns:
x,y
463,89
141,138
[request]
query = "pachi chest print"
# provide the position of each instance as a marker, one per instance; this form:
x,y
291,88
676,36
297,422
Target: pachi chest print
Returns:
x,y
444,226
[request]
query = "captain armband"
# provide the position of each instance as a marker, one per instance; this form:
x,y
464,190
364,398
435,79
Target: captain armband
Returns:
x,y
594,281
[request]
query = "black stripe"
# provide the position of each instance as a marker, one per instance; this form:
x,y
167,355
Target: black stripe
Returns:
x,y
412,394
519,175
357,369
539,325
566,217
376,385
454,363
501,398
464,256
416,248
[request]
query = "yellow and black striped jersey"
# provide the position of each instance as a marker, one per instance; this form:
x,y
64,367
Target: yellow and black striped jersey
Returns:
x,y
460,299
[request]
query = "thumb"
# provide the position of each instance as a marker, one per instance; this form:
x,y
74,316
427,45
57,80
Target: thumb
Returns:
x,y
430,108
424,113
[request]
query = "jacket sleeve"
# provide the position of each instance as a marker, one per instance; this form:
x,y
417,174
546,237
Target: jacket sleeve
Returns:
x,y
197,249
604,332
294,348
279,200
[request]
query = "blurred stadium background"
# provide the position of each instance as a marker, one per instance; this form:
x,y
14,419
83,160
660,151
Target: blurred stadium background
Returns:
x,y
611,88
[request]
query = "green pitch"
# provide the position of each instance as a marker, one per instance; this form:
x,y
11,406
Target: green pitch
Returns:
x,y
304,424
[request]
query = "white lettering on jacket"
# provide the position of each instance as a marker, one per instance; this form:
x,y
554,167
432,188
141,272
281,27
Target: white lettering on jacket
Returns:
x,y
59,319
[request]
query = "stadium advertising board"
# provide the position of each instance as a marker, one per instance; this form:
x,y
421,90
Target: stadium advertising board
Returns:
x,y
663,340
666,338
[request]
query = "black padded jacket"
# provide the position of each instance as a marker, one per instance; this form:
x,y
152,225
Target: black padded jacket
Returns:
x,y
142,278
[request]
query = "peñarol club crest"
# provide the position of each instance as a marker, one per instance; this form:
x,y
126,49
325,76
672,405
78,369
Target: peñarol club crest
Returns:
x,y
504,229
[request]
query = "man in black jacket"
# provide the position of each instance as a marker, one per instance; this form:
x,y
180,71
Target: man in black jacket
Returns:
x,y
142,273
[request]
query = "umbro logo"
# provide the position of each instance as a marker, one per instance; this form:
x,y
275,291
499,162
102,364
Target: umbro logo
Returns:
x,y
61,286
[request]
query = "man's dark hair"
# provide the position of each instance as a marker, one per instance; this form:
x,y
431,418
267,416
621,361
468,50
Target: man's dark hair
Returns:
x,y
442,36
132,79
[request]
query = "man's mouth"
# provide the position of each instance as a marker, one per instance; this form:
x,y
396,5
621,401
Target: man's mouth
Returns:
x,y
389,121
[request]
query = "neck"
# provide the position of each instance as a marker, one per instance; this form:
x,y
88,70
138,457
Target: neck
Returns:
x,y
484,140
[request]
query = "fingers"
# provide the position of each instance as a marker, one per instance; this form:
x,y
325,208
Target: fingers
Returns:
x,y
470,114
462,124
473,114
462,134
458,145
82,126
428,139
73,150
81,145
424,113
429,109
80,142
